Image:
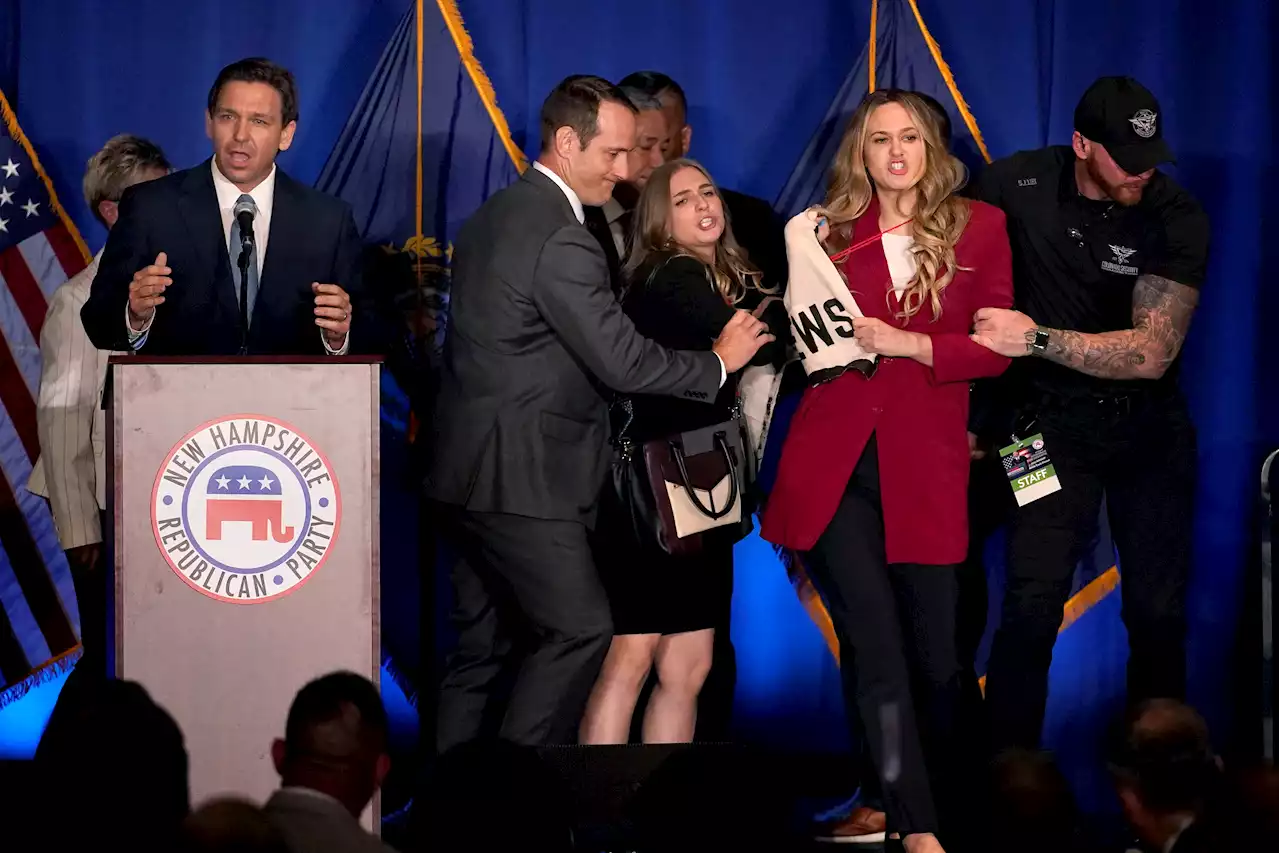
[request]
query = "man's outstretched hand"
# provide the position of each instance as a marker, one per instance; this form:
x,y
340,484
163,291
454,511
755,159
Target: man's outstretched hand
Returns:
x,y
739,341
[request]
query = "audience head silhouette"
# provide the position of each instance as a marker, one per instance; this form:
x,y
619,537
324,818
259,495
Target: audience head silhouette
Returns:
x,y
335,740
1033,804
129,753
1164,768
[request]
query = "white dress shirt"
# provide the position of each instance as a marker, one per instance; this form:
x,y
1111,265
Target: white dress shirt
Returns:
x,y
576,204
264,196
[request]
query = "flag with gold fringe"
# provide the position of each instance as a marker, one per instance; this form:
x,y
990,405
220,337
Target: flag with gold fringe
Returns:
x,y
425,145
39,250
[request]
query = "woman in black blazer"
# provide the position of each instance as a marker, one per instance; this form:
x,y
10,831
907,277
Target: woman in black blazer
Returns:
x,y
685,278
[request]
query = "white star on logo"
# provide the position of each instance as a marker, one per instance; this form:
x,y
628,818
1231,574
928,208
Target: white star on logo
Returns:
x,y
244,482
3,223
266,482
31,207
10,169
222,481
5,196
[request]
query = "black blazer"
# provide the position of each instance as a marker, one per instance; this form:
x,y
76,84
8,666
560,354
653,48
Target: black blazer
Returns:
x,y
313,238
536,339
677,306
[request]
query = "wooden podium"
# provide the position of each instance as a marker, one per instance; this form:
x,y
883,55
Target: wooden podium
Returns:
x,y
245,507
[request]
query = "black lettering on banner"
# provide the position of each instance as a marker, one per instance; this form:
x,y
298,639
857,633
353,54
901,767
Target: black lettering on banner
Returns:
x,y
219,440
233,434
165,523
176,478
189,556
842,322
208,578
280,439
309,467
244,588
308,560
315,481
293,567
195,573
303,458
193,449
316,523
268,431
294,447
259,587
250,432
182,463
176,534
807,330
311,546
220,577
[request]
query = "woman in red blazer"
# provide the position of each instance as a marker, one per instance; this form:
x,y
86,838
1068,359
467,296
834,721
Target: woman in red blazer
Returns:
x,y
872,481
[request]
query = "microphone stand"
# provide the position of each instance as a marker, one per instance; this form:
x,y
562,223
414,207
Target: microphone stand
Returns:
x,y
243,263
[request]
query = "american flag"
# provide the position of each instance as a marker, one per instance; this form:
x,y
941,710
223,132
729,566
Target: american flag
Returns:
x,y
39,250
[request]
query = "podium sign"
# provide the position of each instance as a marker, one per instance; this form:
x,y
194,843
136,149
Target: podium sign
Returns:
x,y
245,505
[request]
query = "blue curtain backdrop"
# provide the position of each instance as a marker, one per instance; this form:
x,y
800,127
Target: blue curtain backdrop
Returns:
x,y
760,76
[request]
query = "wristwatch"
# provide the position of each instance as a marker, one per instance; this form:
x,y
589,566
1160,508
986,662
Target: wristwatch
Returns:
x,y
1041,340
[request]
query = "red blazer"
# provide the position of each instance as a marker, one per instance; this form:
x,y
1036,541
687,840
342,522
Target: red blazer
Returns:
x,y
919,414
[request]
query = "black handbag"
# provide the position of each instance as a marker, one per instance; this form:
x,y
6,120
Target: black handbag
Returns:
x,y
675,491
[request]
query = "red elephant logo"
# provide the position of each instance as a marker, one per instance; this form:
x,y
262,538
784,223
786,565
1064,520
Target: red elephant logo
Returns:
x,y
253,494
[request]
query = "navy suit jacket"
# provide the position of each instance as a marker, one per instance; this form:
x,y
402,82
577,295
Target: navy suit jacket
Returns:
x,y
313,238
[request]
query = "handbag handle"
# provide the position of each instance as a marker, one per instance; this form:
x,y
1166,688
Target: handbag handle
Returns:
x,y
678,455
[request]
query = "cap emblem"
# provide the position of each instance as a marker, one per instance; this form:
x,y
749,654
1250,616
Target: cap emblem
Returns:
x,y
1144,123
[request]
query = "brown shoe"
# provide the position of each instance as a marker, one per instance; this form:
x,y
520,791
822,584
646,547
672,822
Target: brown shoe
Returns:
x,y
864,825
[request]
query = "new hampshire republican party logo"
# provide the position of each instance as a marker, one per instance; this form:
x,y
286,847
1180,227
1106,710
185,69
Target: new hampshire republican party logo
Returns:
x,y
245,509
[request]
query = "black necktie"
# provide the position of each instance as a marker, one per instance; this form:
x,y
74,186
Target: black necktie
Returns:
x,y
599,228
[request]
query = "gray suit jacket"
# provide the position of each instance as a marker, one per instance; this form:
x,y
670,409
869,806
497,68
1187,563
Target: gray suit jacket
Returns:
x,y
535,342
313,823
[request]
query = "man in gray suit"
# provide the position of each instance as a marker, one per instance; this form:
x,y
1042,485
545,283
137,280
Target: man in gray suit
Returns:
x,y
331,761
520,448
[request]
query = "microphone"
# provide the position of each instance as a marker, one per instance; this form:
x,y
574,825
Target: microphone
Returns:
x,y
243,213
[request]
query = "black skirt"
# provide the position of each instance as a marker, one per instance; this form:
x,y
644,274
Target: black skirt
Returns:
x,y
652,592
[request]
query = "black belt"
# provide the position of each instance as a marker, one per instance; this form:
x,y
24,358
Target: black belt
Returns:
x,y
1104,406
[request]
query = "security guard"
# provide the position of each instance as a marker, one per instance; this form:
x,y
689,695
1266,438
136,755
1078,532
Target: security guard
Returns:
x,y
1109,255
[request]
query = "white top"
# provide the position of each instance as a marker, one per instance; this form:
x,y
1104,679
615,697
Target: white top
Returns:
x,y
902,264
263,195
564,188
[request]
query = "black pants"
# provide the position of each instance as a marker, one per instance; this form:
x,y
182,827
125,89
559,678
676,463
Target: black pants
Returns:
x,y
989,501
897,630
1142,456
533,627
93,585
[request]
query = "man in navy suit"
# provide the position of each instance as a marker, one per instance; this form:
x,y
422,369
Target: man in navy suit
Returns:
x,y
172,273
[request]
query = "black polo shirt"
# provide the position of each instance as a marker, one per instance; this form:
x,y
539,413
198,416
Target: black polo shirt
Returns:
x,y
1075,260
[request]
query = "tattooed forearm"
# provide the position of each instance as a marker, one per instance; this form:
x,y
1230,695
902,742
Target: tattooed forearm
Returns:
x,y
1162,311
1113,355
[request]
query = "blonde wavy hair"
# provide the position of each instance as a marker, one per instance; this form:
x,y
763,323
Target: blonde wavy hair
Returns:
x,y
940,216
732,273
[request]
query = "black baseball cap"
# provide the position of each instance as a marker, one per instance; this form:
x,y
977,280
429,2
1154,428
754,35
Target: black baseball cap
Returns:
x,y
1120,114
